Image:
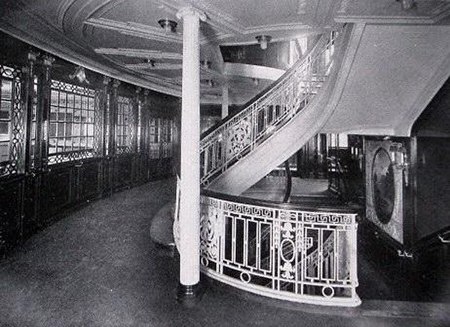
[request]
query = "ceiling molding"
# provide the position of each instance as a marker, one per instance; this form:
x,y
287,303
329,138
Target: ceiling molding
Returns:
x,y
63,6
135,29
227,24
276,28
145,31
439,12
343,7
140,53
211,73
56,48
216,17
252,71
397,20
370,129
274,39
157,66
301,7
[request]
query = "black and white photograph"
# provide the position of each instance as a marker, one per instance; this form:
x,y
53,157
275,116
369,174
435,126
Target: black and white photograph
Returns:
x,y
198,163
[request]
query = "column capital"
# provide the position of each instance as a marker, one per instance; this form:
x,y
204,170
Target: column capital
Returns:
x,y
32,56
106,80
47,60
115,83
191,11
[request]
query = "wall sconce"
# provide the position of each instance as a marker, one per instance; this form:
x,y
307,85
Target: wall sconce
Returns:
x,y
168,25
80,74
263,40
255,81
399,158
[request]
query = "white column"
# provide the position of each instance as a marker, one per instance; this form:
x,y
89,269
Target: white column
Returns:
x,y
224,101
189,218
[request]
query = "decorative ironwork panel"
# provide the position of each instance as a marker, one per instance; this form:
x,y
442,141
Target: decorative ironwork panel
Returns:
x,y
293,254
11,122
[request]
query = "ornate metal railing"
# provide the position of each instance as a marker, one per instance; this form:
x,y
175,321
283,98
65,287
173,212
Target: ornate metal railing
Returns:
x,y
240,134
280,250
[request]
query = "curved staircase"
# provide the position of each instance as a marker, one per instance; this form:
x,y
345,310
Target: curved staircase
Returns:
x,y
247,146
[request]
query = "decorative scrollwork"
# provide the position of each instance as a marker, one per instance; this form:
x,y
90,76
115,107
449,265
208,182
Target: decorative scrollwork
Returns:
x,y
287,230
279,252
208,234
287,270
70,156
239,137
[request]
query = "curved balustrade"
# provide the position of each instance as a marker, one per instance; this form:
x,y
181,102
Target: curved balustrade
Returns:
x,y
282,251
240,134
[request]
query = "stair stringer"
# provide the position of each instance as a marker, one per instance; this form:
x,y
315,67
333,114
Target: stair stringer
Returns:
x,y
291,137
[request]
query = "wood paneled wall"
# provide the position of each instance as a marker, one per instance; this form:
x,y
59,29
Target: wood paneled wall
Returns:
x,y
39,191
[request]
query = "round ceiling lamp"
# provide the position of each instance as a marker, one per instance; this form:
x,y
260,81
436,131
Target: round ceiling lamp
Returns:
x,y
263,40
168,25
205,64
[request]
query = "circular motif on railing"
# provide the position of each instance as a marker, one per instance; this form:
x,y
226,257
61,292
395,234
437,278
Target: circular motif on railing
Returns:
x,y
245,277
287,250
328,291
204,261
383,188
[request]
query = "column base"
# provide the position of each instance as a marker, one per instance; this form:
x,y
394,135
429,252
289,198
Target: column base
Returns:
x,y
190,295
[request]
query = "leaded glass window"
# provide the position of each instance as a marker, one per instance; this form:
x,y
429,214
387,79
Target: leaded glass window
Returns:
x,y
125,125
72,120
160,132
154,137
33,120
11,121
166,138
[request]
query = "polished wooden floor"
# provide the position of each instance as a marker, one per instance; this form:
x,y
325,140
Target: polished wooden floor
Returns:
x,y
99,267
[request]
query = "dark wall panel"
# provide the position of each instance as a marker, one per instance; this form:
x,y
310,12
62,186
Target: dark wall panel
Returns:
x,y
123,171
433,185
57,190
10,214
89,181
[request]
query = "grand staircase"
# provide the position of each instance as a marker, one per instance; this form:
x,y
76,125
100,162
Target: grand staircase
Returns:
x,y
245,147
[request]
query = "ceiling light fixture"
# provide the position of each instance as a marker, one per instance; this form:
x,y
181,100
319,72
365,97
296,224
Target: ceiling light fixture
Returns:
x,y
80,74
168,25
407,4
150,61
263,40
205,64
208,82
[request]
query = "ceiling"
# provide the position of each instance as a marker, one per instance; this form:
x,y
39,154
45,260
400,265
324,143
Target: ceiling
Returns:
x,y
122,38
395,73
